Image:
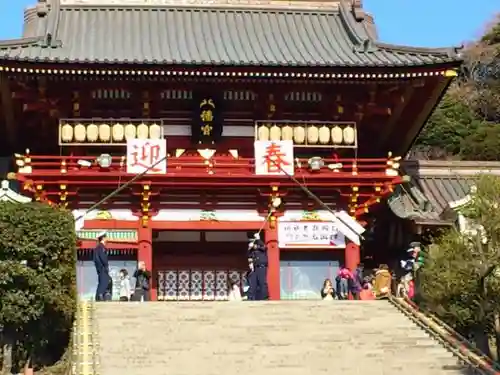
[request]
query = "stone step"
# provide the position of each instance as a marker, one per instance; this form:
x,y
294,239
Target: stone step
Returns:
x,y
269,338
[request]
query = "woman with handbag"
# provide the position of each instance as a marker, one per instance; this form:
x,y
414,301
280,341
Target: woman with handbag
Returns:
x,y
142,284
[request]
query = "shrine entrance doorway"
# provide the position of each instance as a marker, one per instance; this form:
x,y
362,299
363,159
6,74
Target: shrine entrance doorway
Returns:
x,y
196,265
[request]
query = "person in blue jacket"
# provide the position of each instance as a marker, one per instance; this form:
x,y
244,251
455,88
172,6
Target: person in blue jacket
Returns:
x,y
100,258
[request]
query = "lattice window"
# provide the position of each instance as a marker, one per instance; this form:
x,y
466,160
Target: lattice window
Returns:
x,y
244,95
176,94
111,94
303,96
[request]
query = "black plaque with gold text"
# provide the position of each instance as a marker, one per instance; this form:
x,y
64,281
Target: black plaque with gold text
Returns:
x,y
206,125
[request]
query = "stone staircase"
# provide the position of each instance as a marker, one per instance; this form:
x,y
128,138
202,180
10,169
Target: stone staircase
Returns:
x,y
264,338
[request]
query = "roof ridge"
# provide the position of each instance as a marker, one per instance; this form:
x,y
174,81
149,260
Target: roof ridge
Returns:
x,y
245,4
53,22
351,24
217,8
30,41
447,51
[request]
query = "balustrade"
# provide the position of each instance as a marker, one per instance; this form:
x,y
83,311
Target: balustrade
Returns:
x,y
197,166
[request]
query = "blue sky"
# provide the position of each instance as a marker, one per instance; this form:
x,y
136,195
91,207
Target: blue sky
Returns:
x,y
427,23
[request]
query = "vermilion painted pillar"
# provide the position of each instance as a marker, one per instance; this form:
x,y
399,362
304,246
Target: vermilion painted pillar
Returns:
x,y
145,254
273,255
352,256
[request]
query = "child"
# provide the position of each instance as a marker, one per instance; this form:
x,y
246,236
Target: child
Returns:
x,y
367,291
125,291
327,291
234,293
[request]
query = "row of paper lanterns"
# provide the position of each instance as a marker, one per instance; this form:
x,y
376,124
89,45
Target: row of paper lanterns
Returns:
x,y
108,133
323,135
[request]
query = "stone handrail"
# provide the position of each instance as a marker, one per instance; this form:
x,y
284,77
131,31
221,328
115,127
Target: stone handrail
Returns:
x,y
452,340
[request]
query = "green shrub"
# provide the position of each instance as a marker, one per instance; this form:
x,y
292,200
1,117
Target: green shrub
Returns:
x,y
37,280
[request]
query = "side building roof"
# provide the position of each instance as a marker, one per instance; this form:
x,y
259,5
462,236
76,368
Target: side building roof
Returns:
x,y
433,186
264,33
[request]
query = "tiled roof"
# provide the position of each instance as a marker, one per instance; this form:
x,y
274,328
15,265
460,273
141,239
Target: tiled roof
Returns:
x,y
207,35
433,186
424,200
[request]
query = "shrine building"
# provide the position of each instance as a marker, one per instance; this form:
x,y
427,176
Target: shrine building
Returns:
x,y
221,118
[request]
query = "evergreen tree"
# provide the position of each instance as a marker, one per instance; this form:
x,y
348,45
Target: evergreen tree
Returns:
x,y
459,280
466,124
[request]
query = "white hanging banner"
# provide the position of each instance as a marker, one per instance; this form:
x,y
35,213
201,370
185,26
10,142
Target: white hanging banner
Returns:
x,y
310,234
274,158
144,153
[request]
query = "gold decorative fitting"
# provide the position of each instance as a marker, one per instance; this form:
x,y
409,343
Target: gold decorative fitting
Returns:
x,y
274,188
62,187
272,222
355,188
146,187
63,167
39,187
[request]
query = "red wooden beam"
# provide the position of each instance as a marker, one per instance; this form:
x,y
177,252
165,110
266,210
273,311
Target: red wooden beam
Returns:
x,y
205,225
201,184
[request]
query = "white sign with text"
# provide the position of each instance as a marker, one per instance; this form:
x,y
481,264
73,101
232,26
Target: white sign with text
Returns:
x,y
310,234
147,155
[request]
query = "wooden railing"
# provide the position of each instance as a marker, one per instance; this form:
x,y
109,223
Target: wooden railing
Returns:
x,y
452,340
187,166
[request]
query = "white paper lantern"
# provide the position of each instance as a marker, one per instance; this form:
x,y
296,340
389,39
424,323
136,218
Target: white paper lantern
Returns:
x,y
337,135
118,133
324,135
312,135
142,131
349,135
92,132
80,133
275,133
66,133
263,133
155,131
130,131
299,135
104,132
287,133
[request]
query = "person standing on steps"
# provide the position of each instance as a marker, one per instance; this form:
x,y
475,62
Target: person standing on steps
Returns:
x,y
343,279
257,252
100,258
383,282
357,281
142,283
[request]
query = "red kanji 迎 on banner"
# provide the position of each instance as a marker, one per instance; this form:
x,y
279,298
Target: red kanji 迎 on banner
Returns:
x,y
146,153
